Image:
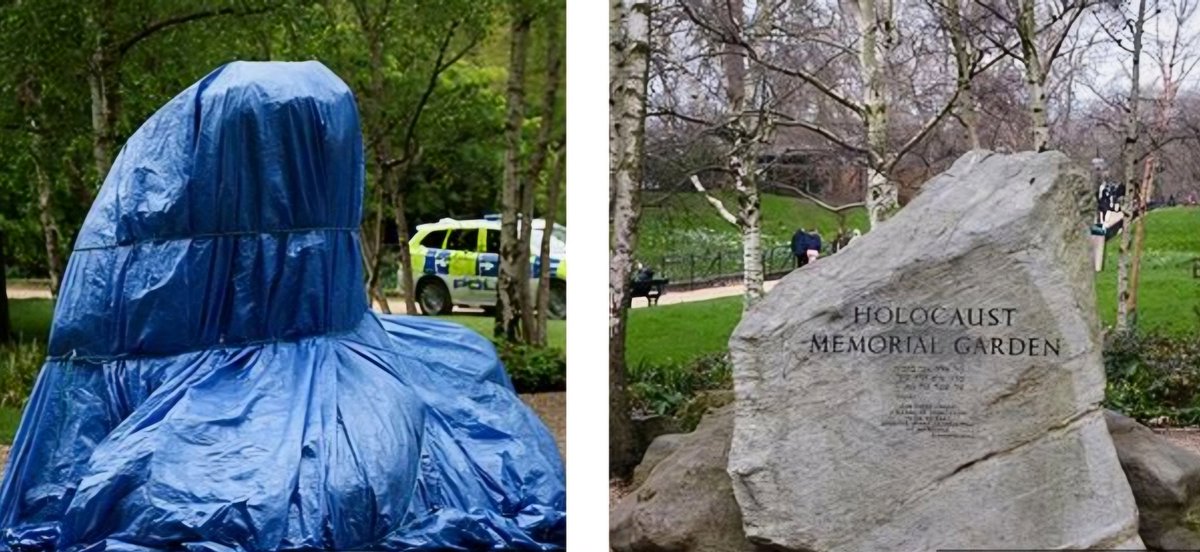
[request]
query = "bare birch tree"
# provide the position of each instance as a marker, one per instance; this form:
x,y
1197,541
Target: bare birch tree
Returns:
x,y
628,49
1041,28
1131,206
1174,59
747,125
966,65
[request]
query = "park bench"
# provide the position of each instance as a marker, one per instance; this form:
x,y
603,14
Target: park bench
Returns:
x,y
651,289
644,284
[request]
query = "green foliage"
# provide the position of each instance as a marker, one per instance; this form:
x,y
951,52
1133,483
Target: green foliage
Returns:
x,y
10,419
669,387
46,106
20,363
1154,377
533,369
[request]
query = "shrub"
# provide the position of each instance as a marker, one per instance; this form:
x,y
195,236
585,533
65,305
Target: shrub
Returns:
x,y
19,366
1154,377
534,369
666,388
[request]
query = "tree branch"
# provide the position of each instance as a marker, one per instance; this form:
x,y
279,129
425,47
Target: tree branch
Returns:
x,y
716,203
931,124
818,202
169,22
823,132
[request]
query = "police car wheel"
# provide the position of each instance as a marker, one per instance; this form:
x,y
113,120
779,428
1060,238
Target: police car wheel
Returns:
x,y
434,298
557,307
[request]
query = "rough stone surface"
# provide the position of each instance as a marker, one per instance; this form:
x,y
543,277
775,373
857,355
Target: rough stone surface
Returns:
x,y
1166,484
659,449
987,447
686,503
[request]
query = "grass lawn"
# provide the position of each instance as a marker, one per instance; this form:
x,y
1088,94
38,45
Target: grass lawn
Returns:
x,y
30,318
556,334
679,332
684,222
1169,298
1168,294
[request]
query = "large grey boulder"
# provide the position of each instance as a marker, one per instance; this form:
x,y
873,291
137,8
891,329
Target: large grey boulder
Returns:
x,y
686,503
1165,479
936,384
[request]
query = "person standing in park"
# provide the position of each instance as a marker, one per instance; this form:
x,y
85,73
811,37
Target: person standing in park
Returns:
x,y
814,246
800,247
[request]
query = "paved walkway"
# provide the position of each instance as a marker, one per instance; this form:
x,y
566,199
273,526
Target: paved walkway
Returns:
x,y
673,297
28,292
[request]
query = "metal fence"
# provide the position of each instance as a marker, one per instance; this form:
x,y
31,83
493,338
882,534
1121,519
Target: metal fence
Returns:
x,y
713,267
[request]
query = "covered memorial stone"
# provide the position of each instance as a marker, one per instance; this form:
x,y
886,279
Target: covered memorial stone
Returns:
x,y
217,382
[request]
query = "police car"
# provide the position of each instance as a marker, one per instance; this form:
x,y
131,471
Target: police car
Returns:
x,y
457,263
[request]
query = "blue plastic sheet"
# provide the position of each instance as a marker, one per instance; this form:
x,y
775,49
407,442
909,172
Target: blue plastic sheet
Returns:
x,y
217,382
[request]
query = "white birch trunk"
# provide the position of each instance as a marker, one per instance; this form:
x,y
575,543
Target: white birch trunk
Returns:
x,y
1131,204
964,55
1035,75
629,45
875,27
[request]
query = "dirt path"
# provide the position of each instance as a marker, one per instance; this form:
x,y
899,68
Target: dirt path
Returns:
x,y
552,409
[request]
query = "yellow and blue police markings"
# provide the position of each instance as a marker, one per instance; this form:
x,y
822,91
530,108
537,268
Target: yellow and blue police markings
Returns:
x,y
558,267
475,270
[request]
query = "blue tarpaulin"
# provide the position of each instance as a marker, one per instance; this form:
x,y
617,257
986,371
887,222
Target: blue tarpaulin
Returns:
x,y
216,381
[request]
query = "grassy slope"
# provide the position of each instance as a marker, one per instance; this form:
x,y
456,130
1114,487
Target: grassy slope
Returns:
x,y
684,223
1169,297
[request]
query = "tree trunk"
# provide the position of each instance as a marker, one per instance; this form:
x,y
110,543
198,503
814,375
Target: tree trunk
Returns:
x,y
534,317
406,266
513,274
629,50
103,117
750,219
371,245
51,235
964,56
875,20
5,325
524,257
740,89
1035,77
550,216
1131,205
1139,241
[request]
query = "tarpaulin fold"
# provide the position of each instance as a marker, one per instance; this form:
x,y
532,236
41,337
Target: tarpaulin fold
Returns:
x,y
215,380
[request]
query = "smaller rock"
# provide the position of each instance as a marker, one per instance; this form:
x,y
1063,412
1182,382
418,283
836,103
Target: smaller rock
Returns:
x,y
1165,479
686,503
659,449
648,428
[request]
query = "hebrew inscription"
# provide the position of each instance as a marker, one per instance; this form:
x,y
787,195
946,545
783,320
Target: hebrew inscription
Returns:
x,y
937,349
